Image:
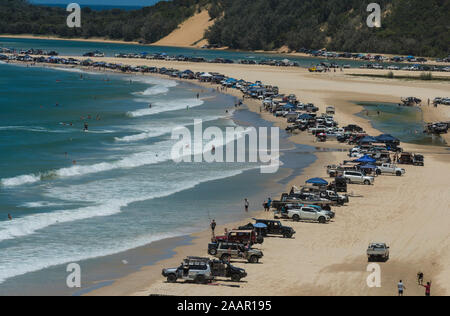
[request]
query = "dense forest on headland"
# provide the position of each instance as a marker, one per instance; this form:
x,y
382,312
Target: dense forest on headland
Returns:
x,y
147,25
408,26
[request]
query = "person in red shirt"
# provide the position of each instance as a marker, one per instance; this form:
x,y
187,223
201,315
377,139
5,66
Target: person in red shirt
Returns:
x,y
427,289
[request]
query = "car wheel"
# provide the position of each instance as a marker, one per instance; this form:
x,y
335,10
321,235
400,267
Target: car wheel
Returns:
x,y
367,182
236,278
322,220
253,259
399,174
225,258
172,278
213,252
200,279
296,218
287,235
379,172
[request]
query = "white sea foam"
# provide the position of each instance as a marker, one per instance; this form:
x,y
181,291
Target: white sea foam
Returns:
x,y
151,132
41,204
12,267
76,70
30,224
20,180
165,106
157,153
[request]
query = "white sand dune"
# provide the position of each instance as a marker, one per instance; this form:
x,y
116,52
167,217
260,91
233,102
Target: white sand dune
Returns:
x,y
189,33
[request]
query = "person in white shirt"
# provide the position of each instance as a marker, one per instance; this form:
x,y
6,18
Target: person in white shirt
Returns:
x,y
401,288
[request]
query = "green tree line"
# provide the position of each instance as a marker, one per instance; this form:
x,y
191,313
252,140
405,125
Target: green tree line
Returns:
x,y
408,26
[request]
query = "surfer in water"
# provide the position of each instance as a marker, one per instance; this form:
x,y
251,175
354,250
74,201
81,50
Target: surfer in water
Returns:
x,y
150,105
10,217
213,150
86,127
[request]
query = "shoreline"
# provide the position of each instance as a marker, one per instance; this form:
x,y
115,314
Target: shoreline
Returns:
x,y
279,52
341,100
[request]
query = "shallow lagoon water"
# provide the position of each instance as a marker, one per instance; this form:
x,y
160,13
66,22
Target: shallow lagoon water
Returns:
x,y
405,123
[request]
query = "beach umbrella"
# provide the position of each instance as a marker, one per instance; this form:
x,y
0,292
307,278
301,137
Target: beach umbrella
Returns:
x,y
260,225
366,159
317,181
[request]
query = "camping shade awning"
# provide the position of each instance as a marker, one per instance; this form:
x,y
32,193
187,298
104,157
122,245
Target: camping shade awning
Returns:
x,y
305,117
369,166
366,159
368,139
317,181
386,138
260,225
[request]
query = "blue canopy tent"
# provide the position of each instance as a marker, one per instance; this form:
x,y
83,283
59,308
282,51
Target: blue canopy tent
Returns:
x,y
260,225
317,181
305,117
289,106
368,166
366,159
386,138
367,140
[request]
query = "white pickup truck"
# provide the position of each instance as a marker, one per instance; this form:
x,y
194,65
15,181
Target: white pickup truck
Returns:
x,y
391,169
307,213
378,252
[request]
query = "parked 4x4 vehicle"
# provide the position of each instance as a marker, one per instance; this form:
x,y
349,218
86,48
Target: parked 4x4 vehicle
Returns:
x,y
390,168
241,237
358,177
226,251
203,271
274,227
308,213
378,252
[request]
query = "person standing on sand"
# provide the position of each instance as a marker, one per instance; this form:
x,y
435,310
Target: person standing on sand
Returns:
x,y
213,226
246,204
420,278
427,289
401,288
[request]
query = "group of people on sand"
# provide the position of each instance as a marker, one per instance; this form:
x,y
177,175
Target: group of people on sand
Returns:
x,y
420,277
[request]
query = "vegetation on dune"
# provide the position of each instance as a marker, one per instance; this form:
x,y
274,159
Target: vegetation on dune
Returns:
x,y
148,24
415,27
408,26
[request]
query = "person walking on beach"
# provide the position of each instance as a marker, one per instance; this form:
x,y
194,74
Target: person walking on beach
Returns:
x,y
246,204
420,278
401,288
427,288
213,227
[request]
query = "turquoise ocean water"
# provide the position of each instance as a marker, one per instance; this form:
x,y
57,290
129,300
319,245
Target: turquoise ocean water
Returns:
x,y
77,195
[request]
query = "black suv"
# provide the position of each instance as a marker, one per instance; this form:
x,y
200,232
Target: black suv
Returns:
x,y
273,228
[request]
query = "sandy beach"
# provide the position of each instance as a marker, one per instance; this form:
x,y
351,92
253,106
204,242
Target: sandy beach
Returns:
x,y
408,213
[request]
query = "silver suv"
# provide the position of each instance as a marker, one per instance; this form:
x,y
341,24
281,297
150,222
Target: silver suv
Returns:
x,y
358,177
227,251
